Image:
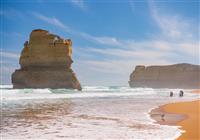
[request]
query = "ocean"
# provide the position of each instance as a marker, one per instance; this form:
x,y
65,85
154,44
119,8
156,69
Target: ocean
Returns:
x,y
96,112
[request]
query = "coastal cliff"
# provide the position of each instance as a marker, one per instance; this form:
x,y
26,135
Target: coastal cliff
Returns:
x,y
45,62
170,76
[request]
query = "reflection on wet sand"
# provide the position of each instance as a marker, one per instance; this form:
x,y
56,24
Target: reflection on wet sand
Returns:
x,y
130,124
56,117
88,118
164,118
33,114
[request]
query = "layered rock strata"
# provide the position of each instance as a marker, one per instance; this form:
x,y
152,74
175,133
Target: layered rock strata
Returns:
x,y
45,62
171,76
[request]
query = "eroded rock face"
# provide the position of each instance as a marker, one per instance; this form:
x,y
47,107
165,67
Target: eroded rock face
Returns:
x,y
45,62
171,76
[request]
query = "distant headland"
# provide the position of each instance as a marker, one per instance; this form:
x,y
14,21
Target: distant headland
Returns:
x,y
45,62
170,76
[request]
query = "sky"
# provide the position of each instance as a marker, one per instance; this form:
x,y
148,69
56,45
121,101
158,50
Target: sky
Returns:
x,y
110,37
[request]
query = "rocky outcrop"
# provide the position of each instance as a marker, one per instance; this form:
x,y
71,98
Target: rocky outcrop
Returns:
x,y
45,62
171,76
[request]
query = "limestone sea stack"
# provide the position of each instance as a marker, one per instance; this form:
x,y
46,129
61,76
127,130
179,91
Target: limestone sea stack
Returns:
x,y
45,62
170,76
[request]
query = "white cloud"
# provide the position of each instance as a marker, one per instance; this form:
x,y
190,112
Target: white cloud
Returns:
x,y
116,63
179,32
78,3
121,67
189,48
172,44
175,43
172,26
9,62
51,20
9,55
110,72
129,54
101,40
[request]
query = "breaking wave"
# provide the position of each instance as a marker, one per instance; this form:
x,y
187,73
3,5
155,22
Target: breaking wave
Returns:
x,y
103,112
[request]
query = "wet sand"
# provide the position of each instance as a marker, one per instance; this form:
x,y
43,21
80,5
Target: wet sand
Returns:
x,y
196,91
82,116
184,114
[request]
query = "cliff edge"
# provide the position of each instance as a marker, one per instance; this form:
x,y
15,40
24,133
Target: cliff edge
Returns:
x,y
169,76
45,62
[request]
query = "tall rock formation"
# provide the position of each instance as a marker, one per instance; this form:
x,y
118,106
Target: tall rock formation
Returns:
x,y
45,62
171,76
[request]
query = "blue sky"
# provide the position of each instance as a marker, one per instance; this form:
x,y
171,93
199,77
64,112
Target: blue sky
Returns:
x,y
109,37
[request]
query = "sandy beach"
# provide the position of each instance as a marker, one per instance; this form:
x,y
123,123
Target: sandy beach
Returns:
x,y
184,114
94,113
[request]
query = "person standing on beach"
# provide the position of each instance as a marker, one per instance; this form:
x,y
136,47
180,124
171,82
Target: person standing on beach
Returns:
x,y
181,93
171,94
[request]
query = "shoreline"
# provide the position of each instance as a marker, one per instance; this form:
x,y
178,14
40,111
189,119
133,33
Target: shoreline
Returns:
x,y
102,114
185,115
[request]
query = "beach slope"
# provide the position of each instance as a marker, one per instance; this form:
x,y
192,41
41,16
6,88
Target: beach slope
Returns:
x,y
183,114
191,125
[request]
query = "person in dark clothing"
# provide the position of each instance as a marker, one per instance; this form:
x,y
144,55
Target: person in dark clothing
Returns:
x,y
171,94
181,93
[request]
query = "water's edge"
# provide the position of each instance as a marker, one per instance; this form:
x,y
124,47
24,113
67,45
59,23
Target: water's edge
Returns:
x,y
173,122
103,112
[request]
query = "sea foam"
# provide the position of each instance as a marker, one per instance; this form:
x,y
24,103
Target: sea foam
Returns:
x,y
94,113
